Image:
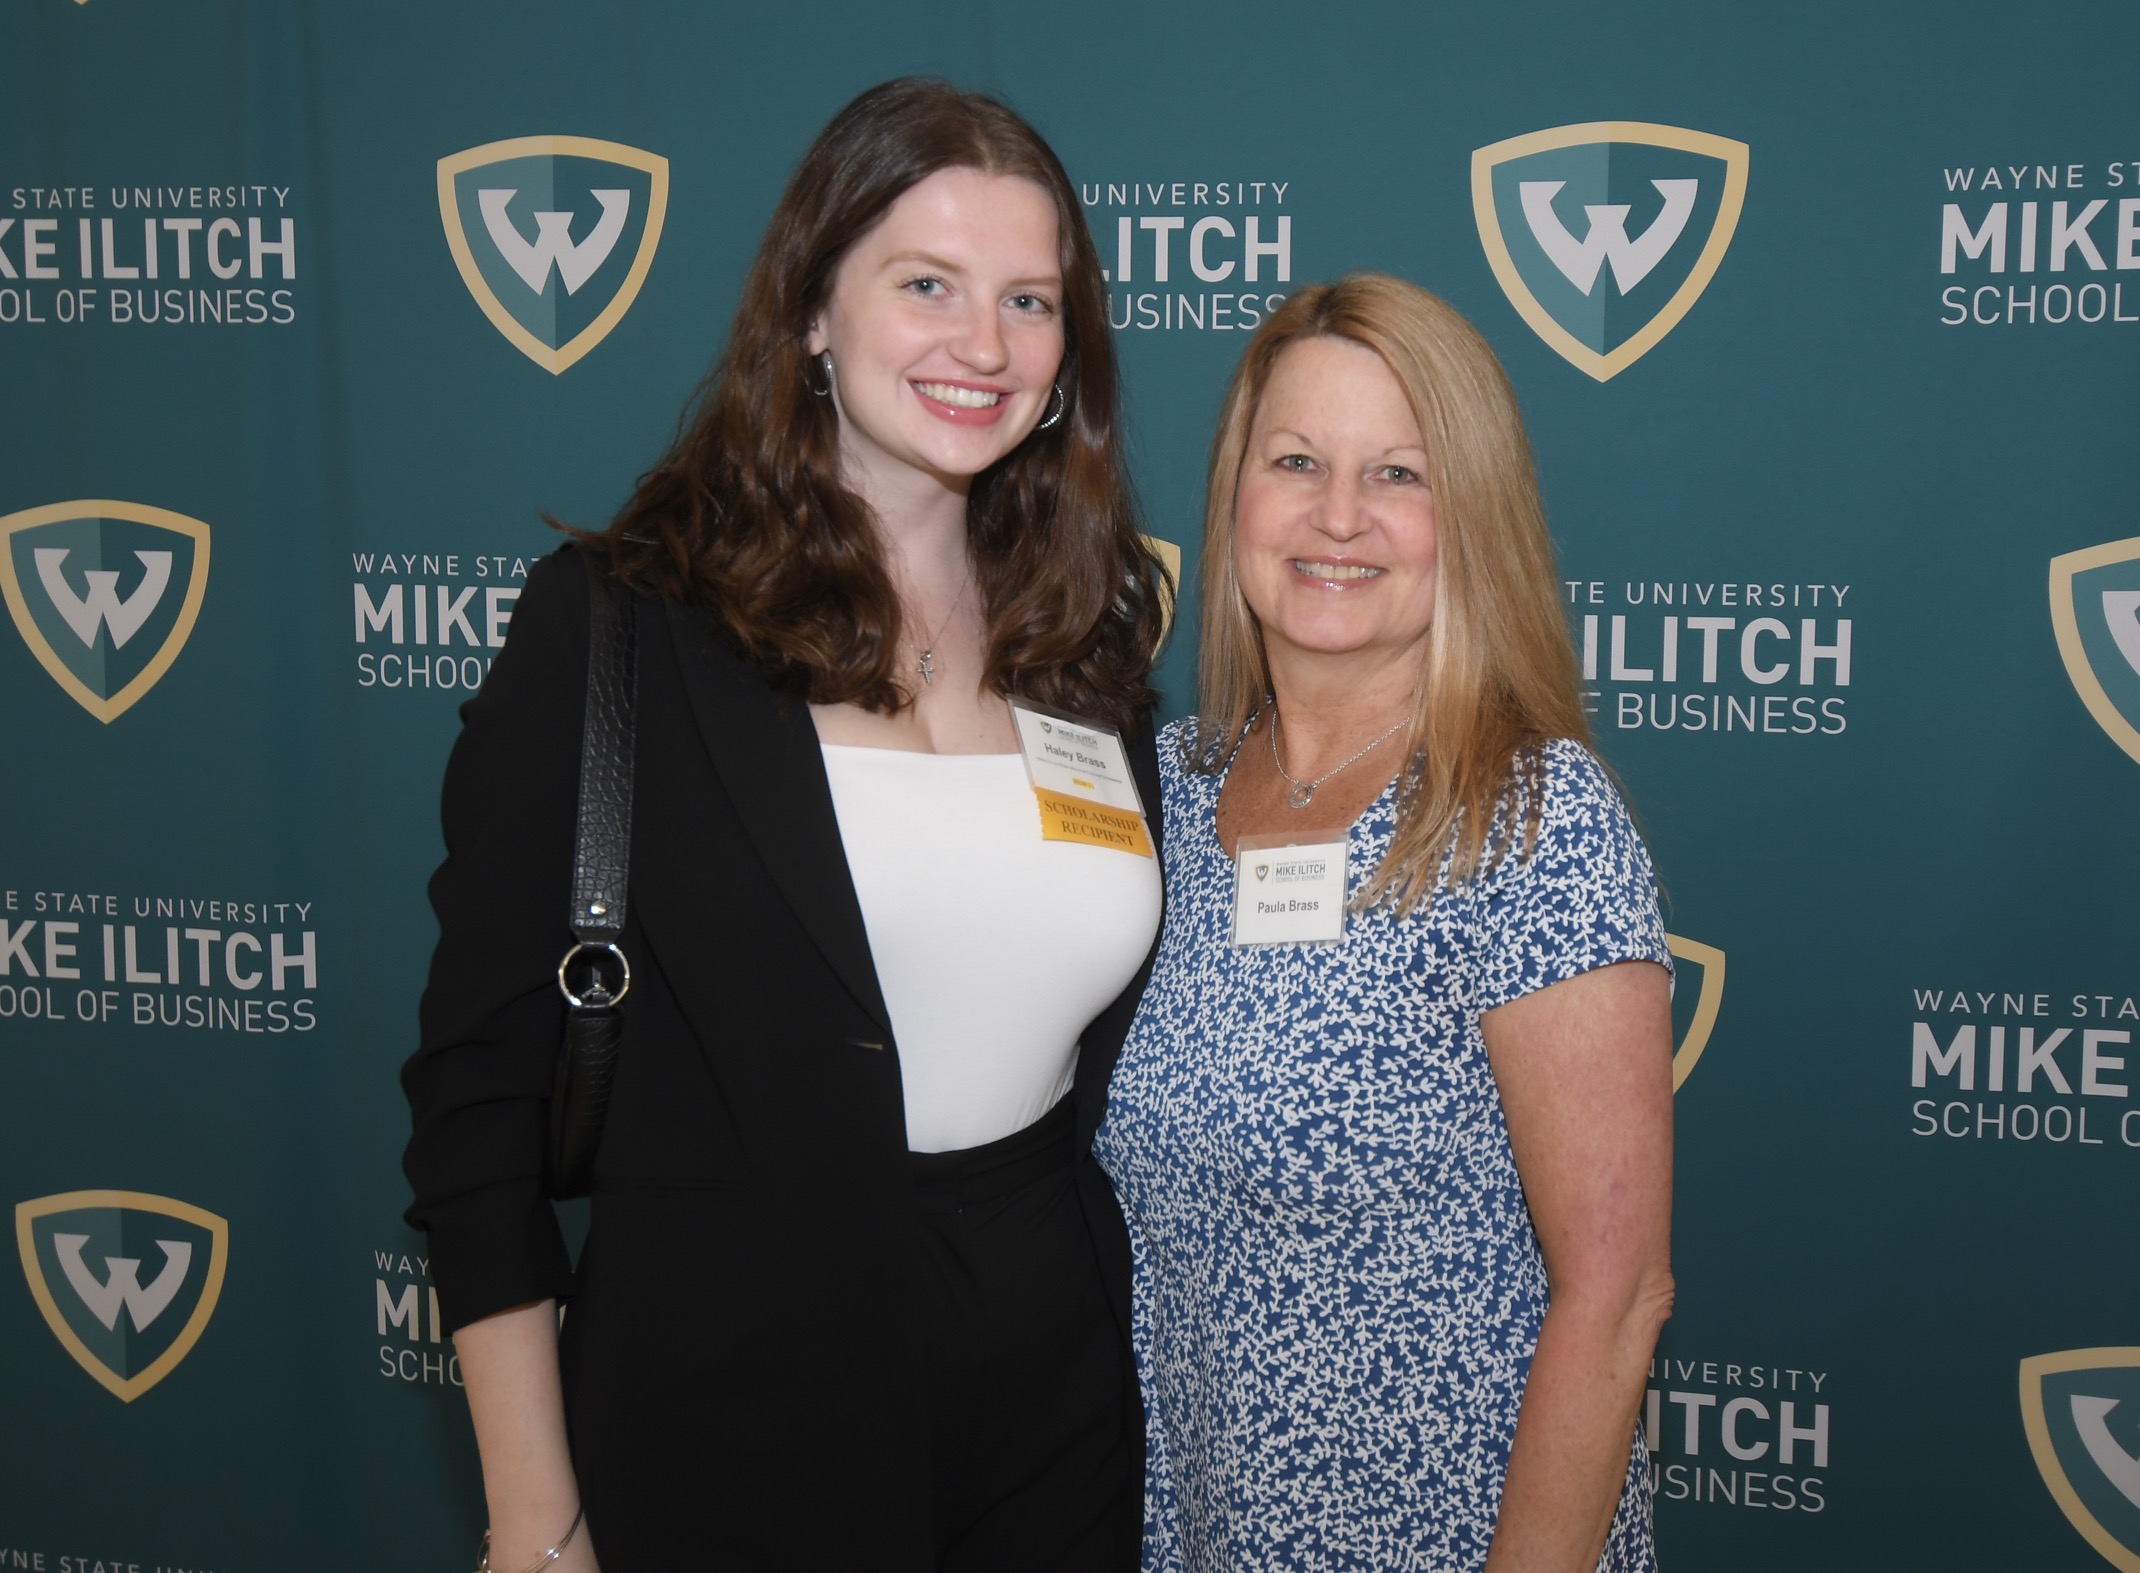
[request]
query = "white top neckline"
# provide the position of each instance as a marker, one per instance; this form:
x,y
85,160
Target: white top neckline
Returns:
x,y
994,948
913,753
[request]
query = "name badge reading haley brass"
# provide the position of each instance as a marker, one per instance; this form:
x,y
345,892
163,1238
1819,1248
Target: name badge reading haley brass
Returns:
x,y
1287,891
1080,775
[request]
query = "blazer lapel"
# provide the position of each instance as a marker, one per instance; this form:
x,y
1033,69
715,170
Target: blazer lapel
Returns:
x,y
767,755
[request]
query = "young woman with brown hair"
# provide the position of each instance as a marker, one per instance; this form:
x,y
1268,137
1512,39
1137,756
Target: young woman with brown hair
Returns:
x,y
854,1294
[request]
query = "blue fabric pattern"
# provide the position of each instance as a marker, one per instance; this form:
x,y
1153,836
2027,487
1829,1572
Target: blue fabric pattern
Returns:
x,y
1338,1287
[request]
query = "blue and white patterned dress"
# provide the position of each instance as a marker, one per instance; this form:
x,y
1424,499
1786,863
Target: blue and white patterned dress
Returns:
x,y
1338,1287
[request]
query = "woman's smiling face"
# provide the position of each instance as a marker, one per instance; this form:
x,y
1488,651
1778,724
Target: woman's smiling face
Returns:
x,y
1334,542
946,330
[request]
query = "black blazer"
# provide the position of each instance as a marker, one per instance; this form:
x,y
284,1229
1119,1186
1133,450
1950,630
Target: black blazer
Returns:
x,y
738,1363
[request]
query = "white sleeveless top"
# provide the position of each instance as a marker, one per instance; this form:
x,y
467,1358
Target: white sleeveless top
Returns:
x,y
993,947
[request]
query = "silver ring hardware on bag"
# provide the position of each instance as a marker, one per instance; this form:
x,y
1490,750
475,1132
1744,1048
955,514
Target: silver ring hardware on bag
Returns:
x,y
598,996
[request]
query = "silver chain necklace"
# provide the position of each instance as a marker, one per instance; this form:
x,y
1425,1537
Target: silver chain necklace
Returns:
x,y
927,665
1303,792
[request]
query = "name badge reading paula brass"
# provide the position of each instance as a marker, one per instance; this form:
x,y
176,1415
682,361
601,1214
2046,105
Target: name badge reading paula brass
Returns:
x,y
1290,891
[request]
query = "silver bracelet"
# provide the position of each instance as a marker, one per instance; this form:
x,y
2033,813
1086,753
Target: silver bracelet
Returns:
x,y
541,1562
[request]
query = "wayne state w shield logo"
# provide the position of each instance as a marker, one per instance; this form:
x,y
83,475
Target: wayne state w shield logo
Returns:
x,y
127,1281
1696,999
553,236
2095,610
2081,1409
1604,235
1170,555
104,593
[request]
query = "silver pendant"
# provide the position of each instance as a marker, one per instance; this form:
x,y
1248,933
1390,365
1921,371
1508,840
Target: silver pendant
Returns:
x,y
928,668
1301,796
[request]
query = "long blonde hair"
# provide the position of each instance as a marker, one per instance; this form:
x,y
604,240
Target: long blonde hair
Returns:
x,y
1499,678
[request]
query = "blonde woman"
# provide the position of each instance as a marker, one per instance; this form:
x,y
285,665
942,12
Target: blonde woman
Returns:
x,y
1392,1128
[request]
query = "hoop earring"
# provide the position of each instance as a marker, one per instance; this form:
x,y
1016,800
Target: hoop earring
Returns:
x,y
1055,414
826,361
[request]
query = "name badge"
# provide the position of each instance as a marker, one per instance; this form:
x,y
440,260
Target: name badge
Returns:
x,y
1290,892
1080,775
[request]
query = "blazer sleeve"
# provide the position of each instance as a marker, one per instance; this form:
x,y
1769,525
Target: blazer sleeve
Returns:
x,y
479,1082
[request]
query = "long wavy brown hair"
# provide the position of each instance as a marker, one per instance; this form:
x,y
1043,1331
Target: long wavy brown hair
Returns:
x,y
747,513
1499,677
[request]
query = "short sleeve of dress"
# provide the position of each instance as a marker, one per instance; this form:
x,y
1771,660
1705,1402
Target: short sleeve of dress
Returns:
x,y
1585,898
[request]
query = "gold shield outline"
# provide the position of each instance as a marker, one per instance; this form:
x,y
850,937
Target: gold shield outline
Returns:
x,y
105,710
1711,961
1169,555
2065,622
559,360
127,1389
1736,157
2033,1370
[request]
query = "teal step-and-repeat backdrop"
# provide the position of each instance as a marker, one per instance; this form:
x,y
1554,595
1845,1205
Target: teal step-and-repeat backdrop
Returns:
x,y
1827,322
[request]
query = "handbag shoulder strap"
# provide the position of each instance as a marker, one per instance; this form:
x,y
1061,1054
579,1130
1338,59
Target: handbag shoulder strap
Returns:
x,y
602,853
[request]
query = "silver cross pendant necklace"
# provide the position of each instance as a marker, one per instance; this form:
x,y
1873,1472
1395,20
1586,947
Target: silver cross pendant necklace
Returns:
x,y
927,664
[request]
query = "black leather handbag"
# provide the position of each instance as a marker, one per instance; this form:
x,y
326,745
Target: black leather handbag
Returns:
x,y
595,975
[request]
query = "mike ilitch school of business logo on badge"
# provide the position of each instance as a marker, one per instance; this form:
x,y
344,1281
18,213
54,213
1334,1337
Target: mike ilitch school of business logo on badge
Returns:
x,y
553,237
104,593
2095,611
86,1254
1604,235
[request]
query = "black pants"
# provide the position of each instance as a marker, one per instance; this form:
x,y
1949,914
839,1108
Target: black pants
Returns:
x,y
1034,1422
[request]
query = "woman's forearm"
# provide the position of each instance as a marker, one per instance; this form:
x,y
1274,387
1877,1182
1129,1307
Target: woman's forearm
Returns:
x,y
516,1397
1585,1072
1569,1459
